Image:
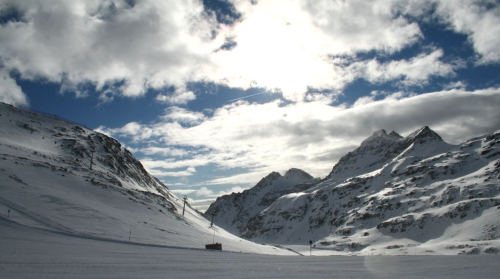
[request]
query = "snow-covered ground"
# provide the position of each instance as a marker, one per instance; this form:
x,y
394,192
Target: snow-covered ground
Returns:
x,y
27,252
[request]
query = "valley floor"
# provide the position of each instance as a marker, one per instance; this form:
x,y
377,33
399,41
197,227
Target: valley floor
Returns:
x,y
27,252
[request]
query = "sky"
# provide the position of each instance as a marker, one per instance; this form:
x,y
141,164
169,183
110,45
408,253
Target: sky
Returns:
x,y
213,95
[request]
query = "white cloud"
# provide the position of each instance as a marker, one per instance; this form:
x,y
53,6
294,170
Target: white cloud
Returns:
x,y
160,173
147,44
131,128
456,85
204,191
364,101
182,115
178,98
162,151
289,44
247,179
480,20
415,71
362,25
10,92
182,191
285,46
196,161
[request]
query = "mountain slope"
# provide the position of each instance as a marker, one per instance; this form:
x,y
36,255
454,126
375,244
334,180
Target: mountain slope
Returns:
x,y
46,181
395,193
232,212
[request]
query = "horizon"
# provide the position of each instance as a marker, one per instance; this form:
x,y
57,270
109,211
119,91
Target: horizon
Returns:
x,y
212,96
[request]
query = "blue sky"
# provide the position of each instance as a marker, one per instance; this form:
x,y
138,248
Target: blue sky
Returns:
x,y
211,96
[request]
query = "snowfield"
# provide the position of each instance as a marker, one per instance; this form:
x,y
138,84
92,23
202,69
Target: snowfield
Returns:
x,y
27,252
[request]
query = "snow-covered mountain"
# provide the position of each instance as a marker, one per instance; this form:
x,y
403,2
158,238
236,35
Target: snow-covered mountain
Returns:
x,y
395,194
58,176
232,212
378,149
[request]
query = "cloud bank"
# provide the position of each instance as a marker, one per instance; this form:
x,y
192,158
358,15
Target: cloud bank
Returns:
x,y
308,135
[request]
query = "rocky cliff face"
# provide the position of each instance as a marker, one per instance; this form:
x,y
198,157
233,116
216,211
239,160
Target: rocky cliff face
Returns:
x,y
416,190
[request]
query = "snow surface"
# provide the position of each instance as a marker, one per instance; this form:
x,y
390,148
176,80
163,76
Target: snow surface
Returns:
x,y
27,252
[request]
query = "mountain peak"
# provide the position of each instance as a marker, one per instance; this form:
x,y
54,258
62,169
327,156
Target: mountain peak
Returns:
x,y
378,149
424,134
266,181
380,136
379,133
273,175
295,174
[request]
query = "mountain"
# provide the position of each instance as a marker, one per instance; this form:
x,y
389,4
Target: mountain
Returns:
x,y
379,149
57,176
232,212
416,194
